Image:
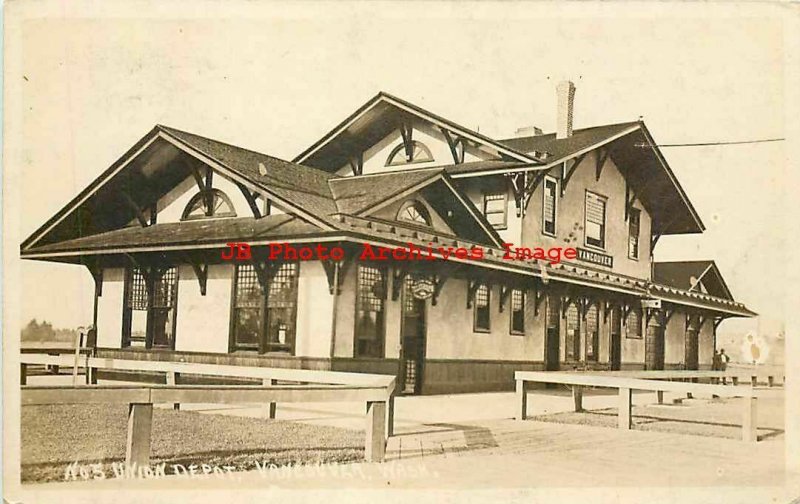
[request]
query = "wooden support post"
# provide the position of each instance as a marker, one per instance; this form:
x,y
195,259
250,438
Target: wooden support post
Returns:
x,y
375,447
754,381
273,407
23,374
172,379
577,397
735,380
770,381
390,419
522,400
625,405
140,423
749,422
660,396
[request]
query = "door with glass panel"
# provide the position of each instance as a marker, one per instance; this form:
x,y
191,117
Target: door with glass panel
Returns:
x,y
413,335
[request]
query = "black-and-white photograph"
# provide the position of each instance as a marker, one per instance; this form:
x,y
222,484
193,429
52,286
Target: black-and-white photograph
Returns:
x,y
496,251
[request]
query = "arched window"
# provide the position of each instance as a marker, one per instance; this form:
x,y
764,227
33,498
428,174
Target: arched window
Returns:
x,y
414,211
213,203
420,153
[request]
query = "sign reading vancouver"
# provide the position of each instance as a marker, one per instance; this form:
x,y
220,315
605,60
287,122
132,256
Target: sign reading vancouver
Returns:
x,y
595,257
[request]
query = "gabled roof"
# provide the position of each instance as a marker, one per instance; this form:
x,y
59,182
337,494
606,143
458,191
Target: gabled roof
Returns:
x,y
566,147
687,275
377,118
364,194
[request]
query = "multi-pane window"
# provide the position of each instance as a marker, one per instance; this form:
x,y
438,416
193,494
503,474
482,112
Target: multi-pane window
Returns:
x,y
248,309
634,219
595,224
149,311
592,333
419,153
549,206
517,311
482,319
573,336
265,322
282,309
633,324
495,209
370,307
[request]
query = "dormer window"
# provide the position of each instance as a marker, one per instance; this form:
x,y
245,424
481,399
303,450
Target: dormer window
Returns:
x,y
417,153
414,211
211,203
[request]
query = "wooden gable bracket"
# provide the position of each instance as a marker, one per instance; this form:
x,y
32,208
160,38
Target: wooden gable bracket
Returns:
x,y
138,211
145,269
203,185
519,184
717,322
97,274
668,313
200,271
607,307
630,197
264,271
566,301
398,277
405,132
626,310
252,202
602,157
654,312
458,158
438,283
566,174
357,163
472,287
335,272
654,239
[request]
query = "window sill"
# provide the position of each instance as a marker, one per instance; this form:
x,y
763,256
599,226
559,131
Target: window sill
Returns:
x,y
481,331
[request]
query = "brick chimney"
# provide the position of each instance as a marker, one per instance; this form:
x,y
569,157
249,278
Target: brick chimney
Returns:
x,y
566,100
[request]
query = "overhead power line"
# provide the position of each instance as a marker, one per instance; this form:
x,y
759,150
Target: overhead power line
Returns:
x,y
705,144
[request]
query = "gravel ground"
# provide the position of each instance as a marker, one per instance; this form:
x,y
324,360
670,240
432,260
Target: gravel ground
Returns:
x,y
715,418
56,436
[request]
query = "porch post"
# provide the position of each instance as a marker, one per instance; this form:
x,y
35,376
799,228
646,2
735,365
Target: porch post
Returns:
x,y
522,400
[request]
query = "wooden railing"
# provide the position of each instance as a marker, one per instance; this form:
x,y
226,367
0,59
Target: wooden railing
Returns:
x,y
140,400
172,371
627,384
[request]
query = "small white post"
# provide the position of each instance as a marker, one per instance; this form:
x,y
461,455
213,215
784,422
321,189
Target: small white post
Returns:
x,y
522,400
625,405
172,379
577,397
272,407
375,443
749,420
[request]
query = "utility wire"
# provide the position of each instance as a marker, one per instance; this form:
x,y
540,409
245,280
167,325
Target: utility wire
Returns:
x,y
704,144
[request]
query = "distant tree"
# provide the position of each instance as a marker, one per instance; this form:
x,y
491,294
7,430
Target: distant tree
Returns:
x,y
35,331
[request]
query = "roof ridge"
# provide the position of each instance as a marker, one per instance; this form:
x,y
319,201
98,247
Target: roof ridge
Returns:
x,y
597,126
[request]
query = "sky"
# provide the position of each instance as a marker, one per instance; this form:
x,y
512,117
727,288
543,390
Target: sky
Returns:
x,y
276,79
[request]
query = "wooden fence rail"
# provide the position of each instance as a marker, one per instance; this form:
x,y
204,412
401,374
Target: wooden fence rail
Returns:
x,y
140,402
626,385
172,371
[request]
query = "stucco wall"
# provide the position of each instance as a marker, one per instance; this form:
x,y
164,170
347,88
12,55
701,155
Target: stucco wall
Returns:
x,y
675,340
203,322
474,189
706,343
570,217
314,311
632,348
109,308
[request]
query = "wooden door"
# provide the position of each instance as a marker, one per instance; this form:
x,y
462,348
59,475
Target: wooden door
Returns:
x,y
654,348
552,334
413,331
615,347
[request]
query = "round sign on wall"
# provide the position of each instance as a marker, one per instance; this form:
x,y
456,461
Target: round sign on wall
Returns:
x,y
422,288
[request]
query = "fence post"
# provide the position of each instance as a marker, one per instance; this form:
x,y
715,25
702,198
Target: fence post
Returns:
x,y
660,396
754,380
390,415
23,374
749,420
140,423
770,381
735,380
625,404
172,379
577,397
375,447
522,400
273,407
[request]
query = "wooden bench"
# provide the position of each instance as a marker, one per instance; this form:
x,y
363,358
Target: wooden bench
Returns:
x,y
140,402
626,385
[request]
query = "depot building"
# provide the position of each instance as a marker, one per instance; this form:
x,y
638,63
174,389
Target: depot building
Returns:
x,y
153,227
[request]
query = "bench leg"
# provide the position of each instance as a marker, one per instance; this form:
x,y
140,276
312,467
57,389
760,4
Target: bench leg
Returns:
x,y
390,419
749,420
735,380
272,409
577,397
522,400
770,381
172,379
660,396
23,374
375,447
140,423
754,381
625,404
